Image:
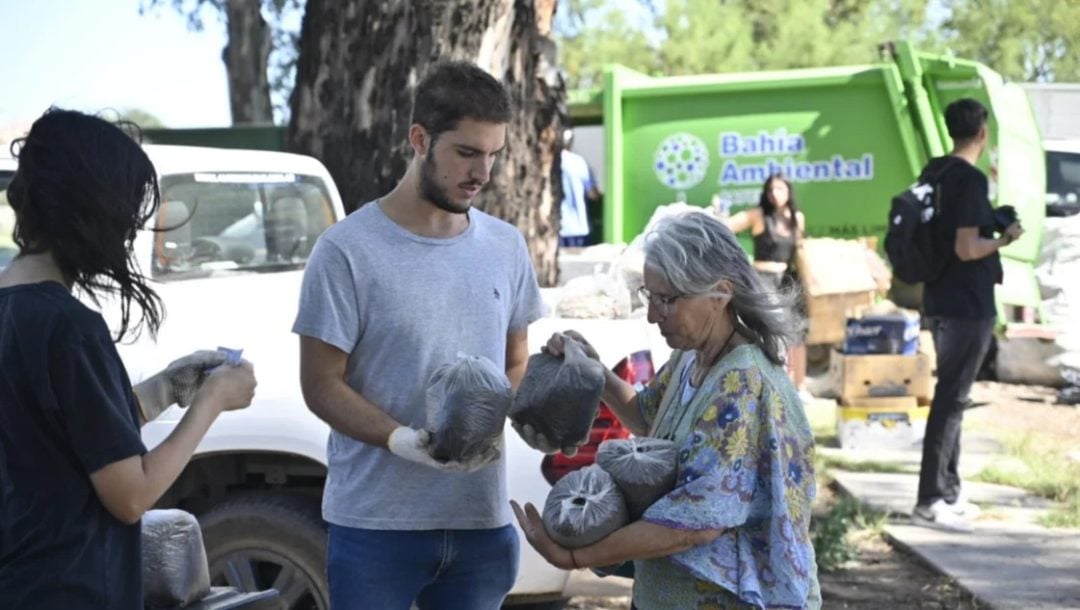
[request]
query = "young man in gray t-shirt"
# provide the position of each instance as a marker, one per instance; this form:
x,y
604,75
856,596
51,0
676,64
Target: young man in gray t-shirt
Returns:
x,y
391,293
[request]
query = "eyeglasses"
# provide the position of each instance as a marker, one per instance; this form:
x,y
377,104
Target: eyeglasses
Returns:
x,y
664,304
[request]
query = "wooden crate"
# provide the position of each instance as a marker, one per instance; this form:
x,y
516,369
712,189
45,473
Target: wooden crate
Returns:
x,y
882,375
827,314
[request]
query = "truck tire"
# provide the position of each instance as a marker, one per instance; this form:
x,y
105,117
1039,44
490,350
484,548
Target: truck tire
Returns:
x,y
258,541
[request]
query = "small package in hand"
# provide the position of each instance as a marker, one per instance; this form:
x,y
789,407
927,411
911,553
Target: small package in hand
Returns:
x,y
560,397
467,402
232,356
583,507
186,382
643,468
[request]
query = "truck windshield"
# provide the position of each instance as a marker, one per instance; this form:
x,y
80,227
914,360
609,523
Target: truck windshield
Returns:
x,y
217,222
7,221
1062,178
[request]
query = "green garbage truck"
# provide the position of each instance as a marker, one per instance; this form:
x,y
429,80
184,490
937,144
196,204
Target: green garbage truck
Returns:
x,y
848,137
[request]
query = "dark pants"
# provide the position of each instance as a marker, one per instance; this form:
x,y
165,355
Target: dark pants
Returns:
x,y
961,345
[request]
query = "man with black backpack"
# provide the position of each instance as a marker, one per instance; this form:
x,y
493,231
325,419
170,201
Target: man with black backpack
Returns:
x,y
958,302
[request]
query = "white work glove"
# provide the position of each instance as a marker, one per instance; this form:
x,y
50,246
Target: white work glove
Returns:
x,y
177,383
413,445
538,441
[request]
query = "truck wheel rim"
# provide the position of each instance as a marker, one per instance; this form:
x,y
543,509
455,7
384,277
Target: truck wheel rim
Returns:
x,y
257,570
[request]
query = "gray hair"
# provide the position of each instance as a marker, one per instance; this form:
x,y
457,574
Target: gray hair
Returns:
x,y
694,251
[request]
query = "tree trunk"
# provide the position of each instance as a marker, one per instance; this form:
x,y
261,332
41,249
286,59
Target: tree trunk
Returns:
x,y
246,57
359,63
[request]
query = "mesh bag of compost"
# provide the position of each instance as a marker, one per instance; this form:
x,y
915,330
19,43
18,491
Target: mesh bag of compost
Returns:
x,y
174,566
643,468
467,401
560,397
583,507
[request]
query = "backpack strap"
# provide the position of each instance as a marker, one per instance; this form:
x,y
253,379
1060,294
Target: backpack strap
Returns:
x,y
935,179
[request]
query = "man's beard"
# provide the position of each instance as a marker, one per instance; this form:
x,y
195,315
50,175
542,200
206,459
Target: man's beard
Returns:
x,y
431,191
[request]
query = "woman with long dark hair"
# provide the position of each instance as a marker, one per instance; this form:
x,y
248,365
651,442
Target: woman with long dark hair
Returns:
x,y
776,225
75,477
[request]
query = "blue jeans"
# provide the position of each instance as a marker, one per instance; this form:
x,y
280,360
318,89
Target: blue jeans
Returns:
x,y
436,569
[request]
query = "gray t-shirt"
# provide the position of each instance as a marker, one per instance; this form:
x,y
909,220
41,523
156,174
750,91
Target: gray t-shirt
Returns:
x,y
402,305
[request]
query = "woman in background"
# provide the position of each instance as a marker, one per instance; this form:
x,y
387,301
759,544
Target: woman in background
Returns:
x,y
776,226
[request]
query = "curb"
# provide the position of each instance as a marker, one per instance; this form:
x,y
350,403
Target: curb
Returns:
x,y
913,552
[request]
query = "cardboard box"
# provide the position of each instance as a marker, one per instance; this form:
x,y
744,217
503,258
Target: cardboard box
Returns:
x,y
882,334
881,375
881,423
833,266
827,315
838,284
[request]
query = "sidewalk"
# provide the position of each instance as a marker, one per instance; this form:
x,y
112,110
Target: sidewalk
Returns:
x,y
1009,562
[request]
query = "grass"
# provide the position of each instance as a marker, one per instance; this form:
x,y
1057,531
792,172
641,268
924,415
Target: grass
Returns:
x,y
832,532
825,437
845,517
829,462
1042,470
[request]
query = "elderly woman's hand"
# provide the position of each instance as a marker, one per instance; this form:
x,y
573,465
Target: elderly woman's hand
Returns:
x,y
555,345
533,525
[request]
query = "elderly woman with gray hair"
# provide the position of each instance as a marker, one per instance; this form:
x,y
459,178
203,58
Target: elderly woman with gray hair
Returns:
x,y
734,533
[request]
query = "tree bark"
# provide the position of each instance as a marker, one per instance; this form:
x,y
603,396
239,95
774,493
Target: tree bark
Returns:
x,y
358,66
246,57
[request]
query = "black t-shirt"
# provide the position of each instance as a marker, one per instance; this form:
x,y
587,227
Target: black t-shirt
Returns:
x,y
770,245
66,410
965,288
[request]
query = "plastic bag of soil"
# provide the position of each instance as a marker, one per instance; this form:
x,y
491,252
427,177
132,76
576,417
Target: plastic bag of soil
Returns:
x,y
643,468
584,507
467,403
560,397
174,566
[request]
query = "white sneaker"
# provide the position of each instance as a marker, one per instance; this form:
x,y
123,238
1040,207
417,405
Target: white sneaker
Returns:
x,y
965,509
941,515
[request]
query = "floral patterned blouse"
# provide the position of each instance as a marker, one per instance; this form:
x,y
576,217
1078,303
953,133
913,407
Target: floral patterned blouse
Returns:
x,y
745,466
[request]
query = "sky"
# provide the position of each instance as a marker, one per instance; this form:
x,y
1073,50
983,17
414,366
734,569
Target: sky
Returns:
x,y
93,55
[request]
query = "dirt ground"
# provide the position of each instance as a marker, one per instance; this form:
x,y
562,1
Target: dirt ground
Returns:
x,y
881,576
1013,410
884,577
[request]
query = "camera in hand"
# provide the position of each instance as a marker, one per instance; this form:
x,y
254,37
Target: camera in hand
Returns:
x,y
1004,217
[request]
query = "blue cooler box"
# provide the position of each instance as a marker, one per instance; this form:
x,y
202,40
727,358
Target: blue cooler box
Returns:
x,y
889,334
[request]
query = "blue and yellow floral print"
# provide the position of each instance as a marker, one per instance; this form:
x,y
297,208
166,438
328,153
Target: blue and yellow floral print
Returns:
x,y
746,467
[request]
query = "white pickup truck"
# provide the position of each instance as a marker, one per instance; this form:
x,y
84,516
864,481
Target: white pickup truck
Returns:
x,y
7,217
230,276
